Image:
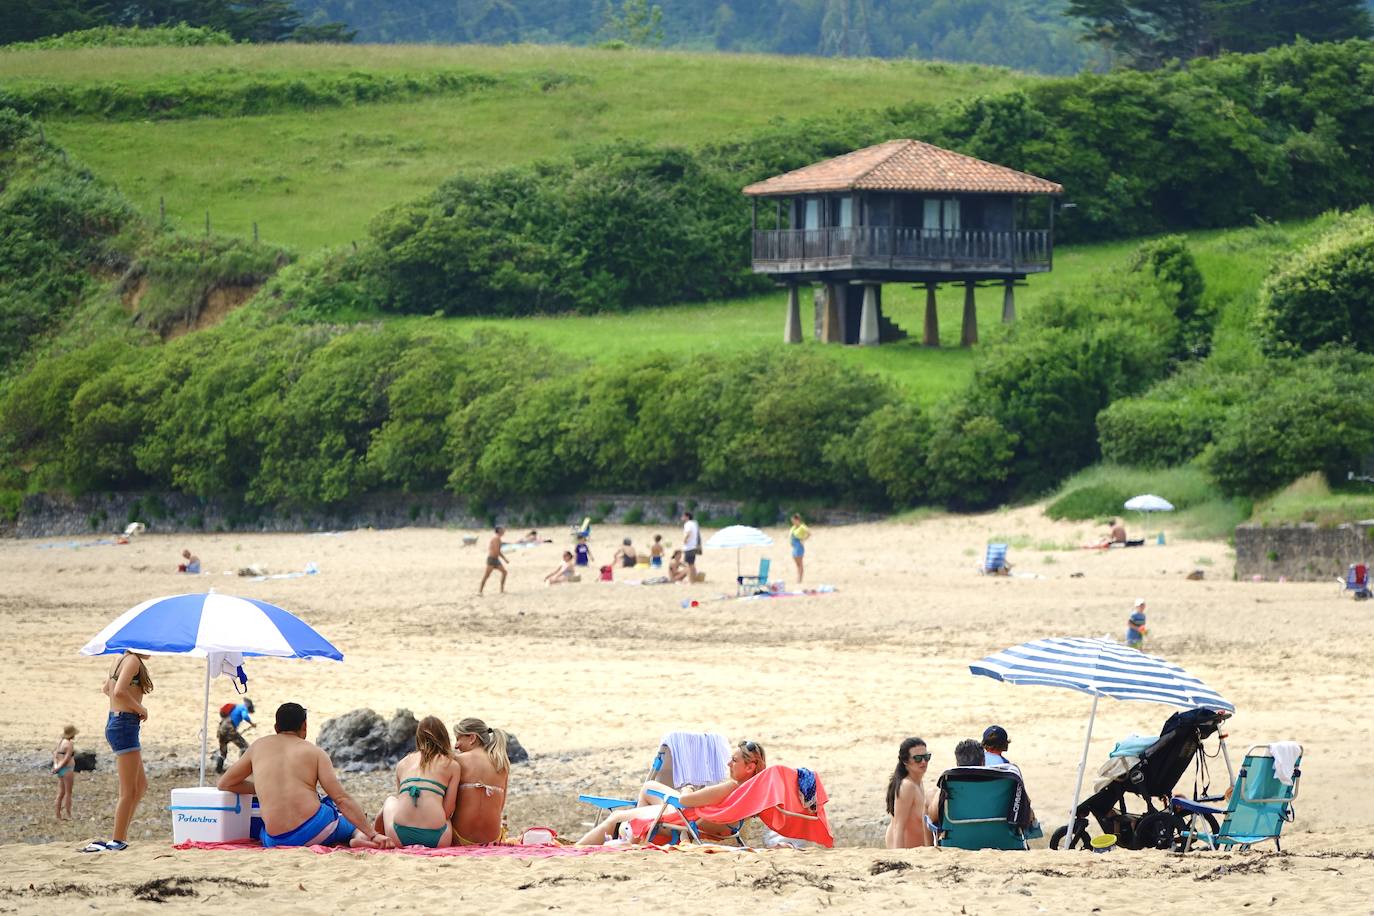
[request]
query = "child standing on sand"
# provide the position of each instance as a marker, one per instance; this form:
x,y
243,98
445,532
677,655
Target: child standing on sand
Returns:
x,y
64,768
1135,625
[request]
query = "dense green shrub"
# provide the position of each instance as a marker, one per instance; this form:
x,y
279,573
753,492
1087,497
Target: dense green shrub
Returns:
x,y
1324,294
180,35
1171,263
970,458
885,457
1314,414
1156,433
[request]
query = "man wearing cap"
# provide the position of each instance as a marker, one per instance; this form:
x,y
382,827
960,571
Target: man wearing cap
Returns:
x,y
995,743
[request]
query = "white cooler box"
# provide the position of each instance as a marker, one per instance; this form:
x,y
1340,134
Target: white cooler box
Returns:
x,y
208,815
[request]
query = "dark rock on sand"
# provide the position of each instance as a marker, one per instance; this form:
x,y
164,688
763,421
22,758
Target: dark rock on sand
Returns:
x,y
362,740
515,751
84,761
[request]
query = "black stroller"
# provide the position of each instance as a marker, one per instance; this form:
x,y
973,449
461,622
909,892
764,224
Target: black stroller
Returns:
x,y
1152,777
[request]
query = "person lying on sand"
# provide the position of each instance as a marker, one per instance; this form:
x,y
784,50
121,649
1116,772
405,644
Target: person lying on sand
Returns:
x,y
484,773
426,791
906,797
285,770
747,761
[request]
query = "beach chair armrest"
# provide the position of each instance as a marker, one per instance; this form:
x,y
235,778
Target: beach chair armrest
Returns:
x,y
608,804
798,814
974,820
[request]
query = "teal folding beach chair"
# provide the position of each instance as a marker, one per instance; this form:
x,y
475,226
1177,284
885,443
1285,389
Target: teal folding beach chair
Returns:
x,y
750,584
1259,807
973,811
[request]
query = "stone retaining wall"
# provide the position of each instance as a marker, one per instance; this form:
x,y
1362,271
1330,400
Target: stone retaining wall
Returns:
x,y
104,514
1303,553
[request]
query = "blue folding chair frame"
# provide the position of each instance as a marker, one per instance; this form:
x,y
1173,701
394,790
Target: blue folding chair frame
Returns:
x,y
749,584
1259,807
981,821
996,559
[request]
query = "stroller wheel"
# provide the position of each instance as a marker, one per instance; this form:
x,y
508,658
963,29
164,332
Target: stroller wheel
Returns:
x,y
1157,830
1079,841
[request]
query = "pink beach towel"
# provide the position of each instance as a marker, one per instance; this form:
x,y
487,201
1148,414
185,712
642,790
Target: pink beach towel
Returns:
x,y
769,796
520,852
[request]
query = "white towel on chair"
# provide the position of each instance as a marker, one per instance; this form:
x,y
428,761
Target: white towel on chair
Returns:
x,y
1286,754
699,758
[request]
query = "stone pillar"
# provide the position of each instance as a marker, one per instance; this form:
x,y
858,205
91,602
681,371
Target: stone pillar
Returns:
x,y
1008,301
969,336
791,331
868,318
932,332
834,328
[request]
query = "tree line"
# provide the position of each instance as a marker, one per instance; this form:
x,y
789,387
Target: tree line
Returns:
x,y
242,20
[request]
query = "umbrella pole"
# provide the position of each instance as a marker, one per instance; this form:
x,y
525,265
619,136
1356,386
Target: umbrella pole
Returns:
x,y
1078,786
205,724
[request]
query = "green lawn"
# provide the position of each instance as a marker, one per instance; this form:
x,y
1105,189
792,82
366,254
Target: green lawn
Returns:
x,y
1233,261
312,178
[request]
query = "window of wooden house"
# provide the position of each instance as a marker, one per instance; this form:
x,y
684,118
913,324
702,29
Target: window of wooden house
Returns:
x,y
940,215
879,210
812,219
842,211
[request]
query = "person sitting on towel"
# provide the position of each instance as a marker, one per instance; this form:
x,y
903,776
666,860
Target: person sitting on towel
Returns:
x,y
284,771
625,555
747,761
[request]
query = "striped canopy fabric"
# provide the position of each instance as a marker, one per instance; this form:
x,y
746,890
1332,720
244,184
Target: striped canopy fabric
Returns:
x,y
737,536
1102,669
211,624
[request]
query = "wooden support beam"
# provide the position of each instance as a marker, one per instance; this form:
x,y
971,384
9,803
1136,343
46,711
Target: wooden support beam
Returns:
x,y
931,338
969,336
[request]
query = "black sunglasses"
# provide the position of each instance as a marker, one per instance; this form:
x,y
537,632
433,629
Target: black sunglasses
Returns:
x,y
919,758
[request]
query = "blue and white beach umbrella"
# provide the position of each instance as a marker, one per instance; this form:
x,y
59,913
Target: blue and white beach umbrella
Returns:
x,y
1103,669
222,629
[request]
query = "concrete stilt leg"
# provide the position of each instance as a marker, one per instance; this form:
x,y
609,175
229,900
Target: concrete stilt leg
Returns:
x,y
868,318
834,333
969,336
1008,302
791,332
932,331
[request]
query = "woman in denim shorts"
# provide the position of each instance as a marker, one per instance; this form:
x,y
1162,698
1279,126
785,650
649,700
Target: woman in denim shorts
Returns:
x,y
126,686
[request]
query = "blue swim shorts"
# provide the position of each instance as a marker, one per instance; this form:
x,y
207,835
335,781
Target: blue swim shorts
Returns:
x,y
121,731
313,831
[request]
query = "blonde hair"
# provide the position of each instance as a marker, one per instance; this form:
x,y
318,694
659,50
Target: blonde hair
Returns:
x,y
69,731
493,741
431,740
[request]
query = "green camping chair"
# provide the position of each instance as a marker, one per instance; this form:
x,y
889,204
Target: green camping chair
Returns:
x,y
973,810
748,585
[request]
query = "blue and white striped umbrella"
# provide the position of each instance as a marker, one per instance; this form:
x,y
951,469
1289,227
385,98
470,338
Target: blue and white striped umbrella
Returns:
x,y
1103,669
222,629
200,625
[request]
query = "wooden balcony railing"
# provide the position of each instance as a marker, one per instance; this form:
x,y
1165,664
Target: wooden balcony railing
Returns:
x,y
905,246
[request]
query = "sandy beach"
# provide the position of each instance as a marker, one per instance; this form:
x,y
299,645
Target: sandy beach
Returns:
x,y
588,676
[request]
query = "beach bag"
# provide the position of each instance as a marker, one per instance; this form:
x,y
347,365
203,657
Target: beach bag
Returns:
x,y
606,573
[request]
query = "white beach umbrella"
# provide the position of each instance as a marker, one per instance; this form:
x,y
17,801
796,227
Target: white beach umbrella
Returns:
x,y
737,537
222,629
1103,669
1148,502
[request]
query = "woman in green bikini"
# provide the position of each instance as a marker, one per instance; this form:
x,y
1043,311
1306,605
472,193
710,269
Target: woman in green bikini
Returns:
x,y
427,790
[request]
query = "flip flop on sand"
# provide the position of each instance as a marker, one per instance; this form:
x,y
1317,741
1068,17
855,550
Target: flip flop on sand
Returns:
x,y
105,846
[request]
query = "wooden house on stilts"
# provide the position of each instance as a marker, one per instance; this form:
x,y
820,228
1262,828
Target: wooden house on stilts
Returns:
x,y
899,212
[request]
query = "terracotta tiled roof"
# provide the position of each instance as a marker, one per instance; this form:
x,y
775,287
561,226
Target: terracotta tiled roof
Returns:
x,y
904,165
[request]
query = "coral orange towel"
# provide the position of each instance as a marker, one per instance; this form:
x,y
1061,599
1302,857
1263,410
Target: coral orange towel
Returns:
x,y
762,797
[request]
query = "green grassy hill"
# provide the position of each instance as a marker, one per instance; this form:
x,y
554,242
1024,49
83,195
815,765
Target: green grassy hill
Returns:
x,y
312,176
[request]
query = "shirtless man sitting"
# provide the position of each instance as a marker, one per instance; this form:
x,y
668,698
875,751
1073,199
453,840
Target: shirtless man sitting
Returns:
x,y
285,770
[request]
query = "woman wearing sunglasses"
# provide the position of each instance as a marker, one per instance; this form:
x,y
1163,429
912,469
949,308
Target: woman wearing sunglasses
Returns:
x,y
747,761
906,797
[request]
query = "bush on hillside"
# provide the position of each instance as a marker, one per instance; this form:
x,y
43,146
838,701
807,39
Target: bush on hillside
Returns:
x,y
884,460
1171,263
180,35
1315,414
1156,433
1091,502
1324,294
177,275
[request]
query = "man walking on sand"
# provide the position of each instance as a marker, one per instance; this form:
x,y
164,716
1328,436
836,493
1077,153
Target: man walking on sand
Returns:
x,y
496,560
691,544
285,771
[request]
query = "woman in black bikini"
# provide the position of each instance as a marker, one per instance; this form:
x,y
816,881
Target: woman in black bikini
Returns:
x,y
128,683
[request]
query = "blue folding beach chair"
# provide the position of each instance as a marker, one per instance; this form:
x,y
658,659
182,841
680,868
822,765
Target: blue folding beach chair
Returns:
x,y
660,770
1356,579
996,561
974,806
748,585
1259,807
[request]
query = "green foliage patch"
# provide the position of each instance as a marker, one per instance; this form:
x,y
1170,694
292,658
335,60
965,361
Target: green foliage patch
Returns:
x,y
179,35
